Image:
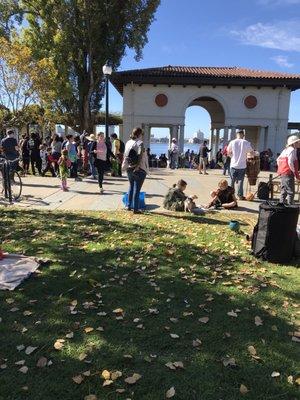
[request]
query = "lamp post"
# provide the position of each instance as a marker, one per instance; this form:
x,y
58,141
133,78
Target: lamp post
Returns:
x,y
107,71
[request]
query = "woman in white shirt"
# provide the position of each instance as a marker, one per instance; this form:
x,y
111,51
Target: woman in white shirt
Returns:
x,y
136,165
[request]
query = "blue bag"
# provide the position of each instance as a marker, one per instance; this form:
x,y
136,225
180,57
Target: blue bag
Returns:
x,y
142,204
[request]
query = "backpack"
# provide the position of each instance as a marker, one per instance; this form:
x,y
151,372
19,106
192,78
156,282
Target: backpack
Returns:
x,y
122,146
263,191
132,158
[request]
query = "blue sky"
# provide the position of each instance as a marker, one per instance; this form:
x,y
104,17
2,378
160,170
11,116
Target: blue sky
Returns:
x,y
259,34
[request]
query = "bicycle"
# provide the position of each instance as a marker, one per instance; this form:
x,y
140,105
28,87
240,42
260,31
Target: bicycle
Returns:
x,y
10,180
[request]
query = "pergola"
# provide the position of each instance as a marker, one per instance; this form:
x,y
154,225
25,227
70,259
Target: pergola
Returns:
x,y
257,101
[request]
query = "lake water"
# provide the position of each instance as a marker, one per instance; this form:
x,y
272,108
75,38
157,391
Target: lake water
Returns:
x,y
162,148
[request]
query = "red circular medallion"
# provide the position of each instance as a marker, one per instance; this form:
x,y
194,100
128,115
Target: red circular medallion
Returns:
x,y
161,100
250,101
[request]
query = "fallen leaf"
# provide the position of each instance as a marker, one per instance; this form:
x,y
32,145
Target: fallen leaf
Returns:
x,y
24,369
27,313
290,379
174,336
30,350
107,382
204,320
179,364
82,356
91,397
105,374
115,375
197,343
78,379
118,311
170,393
258,321
131,380
120,391
232,314
88,329
229,361
243,389
70,335
59,344
170,365
297,381
252,350
42,362
21,347
275,374
21,362
86,373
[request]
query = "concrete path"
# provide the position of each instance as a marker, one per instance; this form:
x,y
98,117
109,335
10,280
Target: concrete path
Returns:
x,y
44,192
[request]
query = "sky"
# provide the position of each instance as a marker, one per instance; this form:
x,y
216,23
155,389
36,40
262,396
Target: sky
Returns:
x,y
258,34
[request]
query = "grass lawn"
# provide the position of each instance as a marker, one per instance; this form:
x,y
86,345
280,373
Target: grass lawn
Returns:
x,y
134,293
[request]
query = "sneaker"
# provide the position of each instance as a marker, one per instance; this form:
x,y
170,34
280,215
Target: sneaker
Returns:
x,y
205,173
137,212
78,179
101,190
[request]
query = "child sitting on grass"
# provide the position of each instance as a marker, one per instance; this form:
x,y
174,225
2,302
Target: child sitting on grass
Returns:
x,y
64,164
223,197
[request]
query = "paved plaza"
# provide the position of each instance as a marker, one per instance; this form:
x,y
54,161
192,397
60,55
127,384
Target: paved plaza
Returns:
x,y
45,193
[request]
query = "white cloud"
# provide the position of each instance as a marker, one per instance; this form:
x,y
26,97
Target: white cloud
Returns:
x,y
282,61
283,35
278,2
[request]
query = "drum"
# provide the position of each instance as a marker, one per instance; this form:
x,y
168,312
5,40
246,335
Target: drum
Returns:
x,y
253,168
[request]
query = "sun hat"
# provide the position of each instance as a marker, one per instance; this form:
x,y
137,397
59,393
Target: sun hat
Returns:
x,y
292,140
92,137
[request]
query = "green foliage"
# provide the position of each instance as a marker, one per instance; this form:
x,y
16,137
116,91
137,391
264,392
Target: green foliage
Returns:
x,y
80,36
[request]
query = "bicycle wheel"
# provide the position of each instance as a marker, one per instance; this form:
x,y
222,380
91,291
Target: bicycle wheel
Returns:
x,y
16,186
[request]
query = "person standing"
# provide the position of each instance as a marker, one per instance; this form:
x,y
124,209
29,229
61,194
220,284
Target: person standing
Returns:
x,y
73,157
118,148
288,169
226,160
25,154
34,148
135,163
237,150
203,157
10,149
174,154
102,154
91,159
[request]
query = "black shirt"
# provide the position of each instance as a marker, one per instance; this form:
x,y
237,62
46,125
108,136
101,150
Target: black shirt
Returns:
x,y
203,151
9,145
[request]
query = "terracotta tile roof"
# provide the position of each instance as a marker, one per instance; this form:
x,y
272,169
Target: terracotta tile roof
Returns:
x,y
204,75
236,72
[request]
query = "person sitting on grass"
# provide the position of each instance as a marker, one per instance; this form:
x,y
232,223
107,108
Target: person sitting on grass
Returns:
x,y
176,200
64,164
223,197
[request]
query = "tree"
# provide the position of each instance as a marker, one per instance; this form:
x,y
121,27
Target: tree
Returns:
x,y
80,36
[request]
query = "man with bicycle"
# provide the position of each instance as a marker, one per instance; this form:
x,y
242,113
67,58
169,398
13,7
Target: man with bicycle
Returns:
x,y
10,148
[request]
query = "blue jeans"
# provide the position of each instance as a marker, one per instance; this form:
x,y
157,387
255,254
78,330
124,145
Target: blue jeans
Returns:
x,y
92,165
136,180
237,176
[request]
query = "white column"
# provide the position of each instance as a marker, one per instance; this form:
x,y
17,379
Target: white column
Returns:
x,y
181,139
174,133
211,144
225,137
261,139
146,136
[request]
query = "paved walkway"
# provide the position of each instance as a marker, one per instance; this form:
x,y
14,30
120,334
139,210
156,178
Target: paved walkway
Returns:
x,y
44,192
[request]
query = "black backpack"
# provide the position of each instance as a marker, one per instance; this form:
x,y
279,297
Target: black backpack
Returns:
x,y
122,147
133,158
263,192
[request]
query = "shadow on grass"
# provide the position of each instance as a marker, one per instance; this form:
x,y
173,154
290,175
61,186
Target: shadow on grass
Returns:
x,y
105,264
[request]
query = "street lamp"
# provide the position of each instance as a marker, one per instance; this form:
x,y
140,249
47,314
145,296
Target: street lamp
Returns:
x,y
107,71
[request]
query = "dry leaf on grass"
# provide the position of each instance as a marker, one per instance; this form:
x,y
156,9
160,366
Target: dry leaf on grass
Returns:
x,y
91,397
118,311
204,320
70,335
88,329
82,356
24,369
105,374
131,380
21,347
78,379
30,350
59,344
275,374
42,362
197,343
170,393
174,336
229,361
115,375
258,321
107,382
120,391
243,389
252,350
232,314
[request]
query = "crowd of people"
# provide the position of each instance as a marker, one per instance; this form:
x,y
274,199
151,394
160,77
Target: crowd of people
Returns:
x,y
93,155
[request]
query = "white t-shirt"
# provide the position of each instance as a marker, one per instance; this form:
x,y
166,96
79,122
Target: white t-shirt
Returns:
x,y
238,149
